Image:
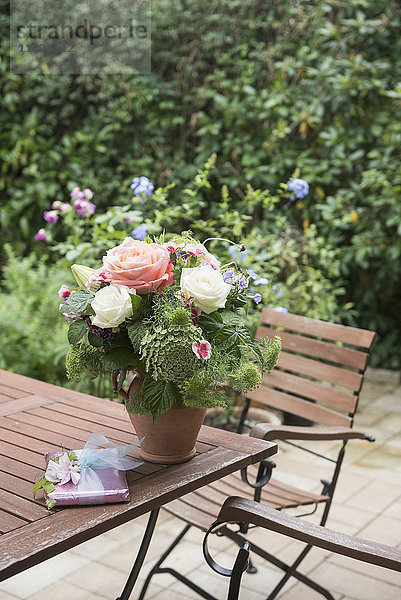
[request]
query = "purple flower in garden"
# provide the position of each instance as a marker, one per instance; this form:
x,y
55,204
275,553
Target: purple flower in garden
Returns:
x,y
300,188
257,298
88,194
56,205
261,281
84,208
251,273
278,292
142,185
242,283
76,194
140,232
65,207
50,216
41,236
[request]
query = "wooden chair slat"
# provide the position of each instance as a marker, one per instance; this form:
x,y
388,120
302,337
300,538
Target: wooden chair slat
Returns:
x,y
322,371
302,408
311,390
317,348
322,329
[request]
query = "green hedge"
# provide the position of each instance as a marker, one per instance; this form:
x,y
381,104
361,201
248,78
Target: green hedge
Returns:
x,y
270,87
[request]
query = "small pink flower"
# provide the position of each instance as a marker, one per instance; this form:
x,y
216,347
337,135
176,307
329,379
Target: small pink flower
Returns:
x,y
50,216
202,350
64,292
41,236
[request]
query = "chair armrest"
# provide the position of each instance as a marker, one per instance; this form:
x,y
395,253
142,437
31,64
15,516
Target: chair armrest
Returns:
x,y
239,510
265,431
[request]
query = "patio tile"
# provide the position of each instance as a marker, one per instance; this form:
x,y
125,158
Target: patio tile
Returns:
x,y
100,579
5,596
362,587
365,569
383,529
379,495
62,590
31,581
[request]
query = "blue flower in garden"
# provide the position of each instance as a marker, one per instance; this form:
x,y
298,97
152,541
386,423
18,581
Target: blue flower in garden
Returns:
x,y
261,281
300,188
142,185
280,309
278,291
140,232
251,273
228,276
236,254
257,298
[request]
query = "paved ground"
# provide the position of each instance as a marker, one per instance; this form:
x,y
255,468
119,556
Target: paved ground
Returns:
x,y
367,503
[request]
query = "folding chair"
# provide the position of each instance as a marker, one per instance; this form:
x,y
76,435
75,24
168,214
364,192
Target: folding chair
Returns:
x,y
318,378
239,510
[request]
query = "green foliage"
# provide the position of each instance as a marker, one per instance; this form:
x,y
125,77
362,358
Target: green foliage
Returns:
x,y
83,360
252,84
33,339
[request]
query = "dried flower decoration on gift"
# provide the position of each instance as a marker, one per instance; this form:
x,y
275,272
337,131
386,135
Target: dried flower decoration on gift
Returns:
x,y
169,311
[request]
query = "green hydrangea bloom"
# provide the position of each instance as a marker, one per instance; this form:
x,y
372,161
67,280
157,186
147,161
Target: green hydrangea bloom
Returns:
x,y
248,377
168,352
83,359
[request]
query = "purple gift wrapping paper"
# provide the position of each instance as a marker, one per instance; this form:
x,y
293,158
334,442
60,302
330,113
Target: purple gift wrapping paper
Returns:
x,y
114,483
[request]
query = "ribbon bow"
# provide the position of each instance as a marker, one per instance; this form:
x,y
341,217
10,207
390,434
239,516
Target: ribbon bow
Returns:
x,y
92,457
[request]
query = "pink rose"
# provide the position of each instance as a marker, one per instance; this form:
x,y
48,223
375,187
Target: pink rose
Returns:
x,y
64,292
139,265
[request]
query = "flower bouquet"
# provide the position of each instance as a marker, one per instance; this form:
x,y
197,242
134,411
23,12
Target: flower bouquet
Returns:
x,y
172,315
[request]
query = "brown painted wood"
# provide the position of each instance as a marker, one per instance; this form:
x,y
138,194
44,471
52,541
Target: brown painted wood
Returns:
x,y
320,371
298,406
294,432
311,390
241,510
30,533
348,357
9,522
314,327
19,404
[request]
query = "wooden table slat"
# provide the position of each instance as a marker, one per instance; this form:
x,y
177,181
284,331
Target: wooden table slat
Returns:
x,y
22,507
9,522
18,404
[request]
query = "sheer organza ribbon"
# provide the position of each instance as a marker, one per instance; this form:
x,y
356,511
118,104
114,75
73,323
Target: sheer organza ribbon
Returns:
x,y
92,457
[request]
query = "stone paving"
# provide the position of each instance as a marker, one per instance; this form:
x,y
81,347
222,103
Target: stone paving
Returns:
x,y
367,503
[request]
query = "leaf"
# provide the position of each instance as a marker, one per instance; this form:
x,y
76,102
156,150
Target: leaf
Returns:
x,y
136,302
136,333
231,318
38,486
76,331
159,396
94,339
117,358
77,302
48,486
211,323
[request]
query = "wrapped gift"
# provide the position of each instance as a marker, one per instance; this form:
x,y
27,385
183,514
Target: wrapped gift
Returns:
x,y
92,475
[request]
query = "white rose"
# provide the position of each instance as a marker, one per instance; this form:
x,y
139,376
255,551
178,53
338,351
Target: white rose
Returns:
x,y
112,305
206,286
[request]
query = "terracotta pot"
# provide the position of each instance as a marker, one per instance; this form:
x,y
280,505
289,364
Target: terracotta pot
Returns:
x,y
172,437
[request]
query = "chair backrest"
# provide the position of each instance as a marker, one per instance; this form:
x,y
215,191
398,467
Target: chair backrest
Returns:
x,y
320,370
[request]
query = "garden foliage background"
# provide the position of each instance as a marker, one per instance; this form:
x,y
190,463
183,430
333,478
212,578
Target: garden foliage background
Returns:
x,y
260,91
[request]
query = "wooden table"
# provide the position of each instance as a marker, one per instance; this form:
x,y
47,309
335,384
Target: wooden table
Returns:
x,y
36,417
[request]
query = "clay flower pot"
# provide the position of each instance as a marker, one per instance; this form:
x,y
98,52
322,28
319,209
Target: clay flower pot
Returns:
x,y
172,437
